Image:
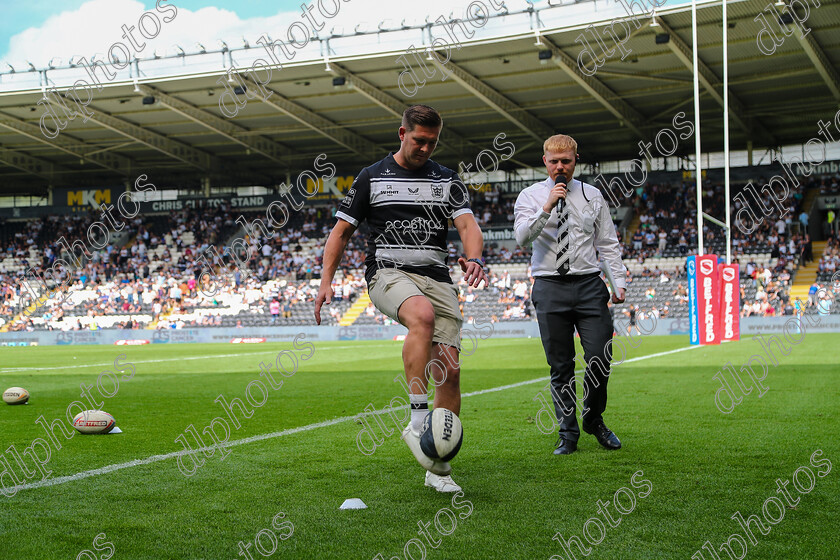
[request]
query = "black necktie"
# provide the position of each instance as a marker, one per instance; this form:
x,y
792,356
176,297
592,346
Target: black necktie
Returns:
x,y
563,239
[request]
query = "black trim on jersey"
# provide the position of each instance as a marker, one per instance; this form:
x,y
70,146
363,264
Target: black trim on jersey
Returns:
x,y
408,215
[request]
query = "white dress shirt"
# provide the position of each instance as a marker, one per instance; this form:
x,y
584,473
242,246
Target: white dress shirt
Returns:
x,y
590,229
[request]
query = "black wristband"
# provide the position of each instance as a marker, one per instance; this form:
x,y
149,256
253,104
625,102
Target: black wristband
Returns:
x,y
479,260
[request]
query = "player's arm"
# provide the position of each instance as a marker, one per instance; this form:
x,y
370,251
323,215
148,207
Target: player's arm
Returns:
x,y
473,243
333,251
352,211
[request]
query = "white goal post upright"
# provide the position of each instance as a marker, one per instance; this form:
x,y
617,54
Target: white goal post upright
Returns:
x,y
701,216
697,171
727,218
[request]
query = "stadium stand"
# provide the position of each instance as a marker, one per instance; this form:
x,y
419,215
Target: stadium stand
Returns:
x,y
149,274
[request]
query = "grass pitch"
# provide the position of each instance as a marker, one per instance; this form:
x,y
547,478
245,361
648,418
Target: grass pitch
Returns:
x,y
700,465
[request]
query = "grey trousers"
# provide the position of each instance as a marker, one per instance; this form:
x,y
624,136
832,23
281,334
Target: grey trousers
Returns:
x,y
564,303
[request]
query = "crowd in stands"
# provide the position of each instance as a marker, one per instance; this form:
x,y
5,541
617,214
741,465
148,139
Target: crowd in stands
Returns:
x,y
154,271
668,225
504,299
490,211
829,263
761,227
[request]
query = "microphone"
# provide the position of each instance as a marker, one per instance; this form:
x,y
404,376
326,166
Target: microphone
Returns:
x,y
562,202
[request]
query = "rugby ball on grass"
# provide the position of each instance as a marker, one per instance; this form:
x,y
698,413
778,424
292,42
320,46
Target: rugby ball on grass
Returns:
x,y
15,395
441,435
94,422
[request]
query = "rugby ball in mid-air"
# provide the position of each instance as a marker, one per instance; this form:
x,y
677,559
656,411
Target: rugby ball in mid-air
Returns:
x,y
15,395
442,435
94,422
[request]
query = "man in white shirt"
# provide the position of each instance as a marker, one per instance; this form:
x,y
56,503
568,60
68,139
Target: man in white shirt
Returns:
x,y
569,224
824,305
520,290
768,274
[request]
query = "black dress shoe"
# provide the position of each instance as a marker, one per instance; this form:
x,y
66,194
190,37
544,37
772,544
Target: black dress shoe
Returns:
x,y
605,437
565,446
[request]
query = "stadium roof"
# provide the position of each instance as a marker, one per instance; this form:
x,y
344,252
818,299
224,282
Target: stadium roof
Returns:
x,y
527,85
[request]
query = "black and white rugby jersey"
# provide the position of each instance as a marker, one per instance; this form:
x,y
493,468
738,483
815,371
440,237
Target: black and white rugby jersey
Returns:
x,y
408,214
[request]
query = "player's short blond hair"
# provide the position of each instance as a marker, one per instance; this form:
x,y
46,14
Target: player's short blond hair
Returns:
x,y
559,143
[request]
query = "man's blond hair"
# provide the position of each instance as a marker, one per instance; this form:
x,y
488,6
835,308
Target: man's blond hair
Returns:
x,y
560,143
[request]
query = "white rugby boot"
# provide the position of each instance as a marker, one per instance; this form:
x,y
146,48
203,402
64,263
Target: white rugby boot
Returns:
x,y
441,483
412,440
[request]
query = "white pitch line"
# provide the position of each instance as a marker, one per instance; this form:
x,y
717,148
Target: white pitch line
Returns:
x,y
156,458
208,357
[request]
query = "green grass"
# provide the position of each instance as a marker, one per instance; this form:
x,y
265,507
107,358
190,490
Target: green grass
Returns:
x,y
703,465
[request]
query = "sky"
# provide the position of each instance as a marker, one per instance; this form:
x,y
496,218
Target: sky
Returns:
x,y
38,30
20,16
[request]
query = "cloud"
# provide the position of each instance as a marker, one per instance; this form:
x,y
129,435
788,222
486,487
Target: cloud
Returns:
x,y
98,24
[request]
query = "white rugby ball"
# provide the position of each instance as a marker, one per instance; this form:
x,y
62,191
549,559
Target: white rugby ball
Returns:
x,y
15,395
94,422
442,435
